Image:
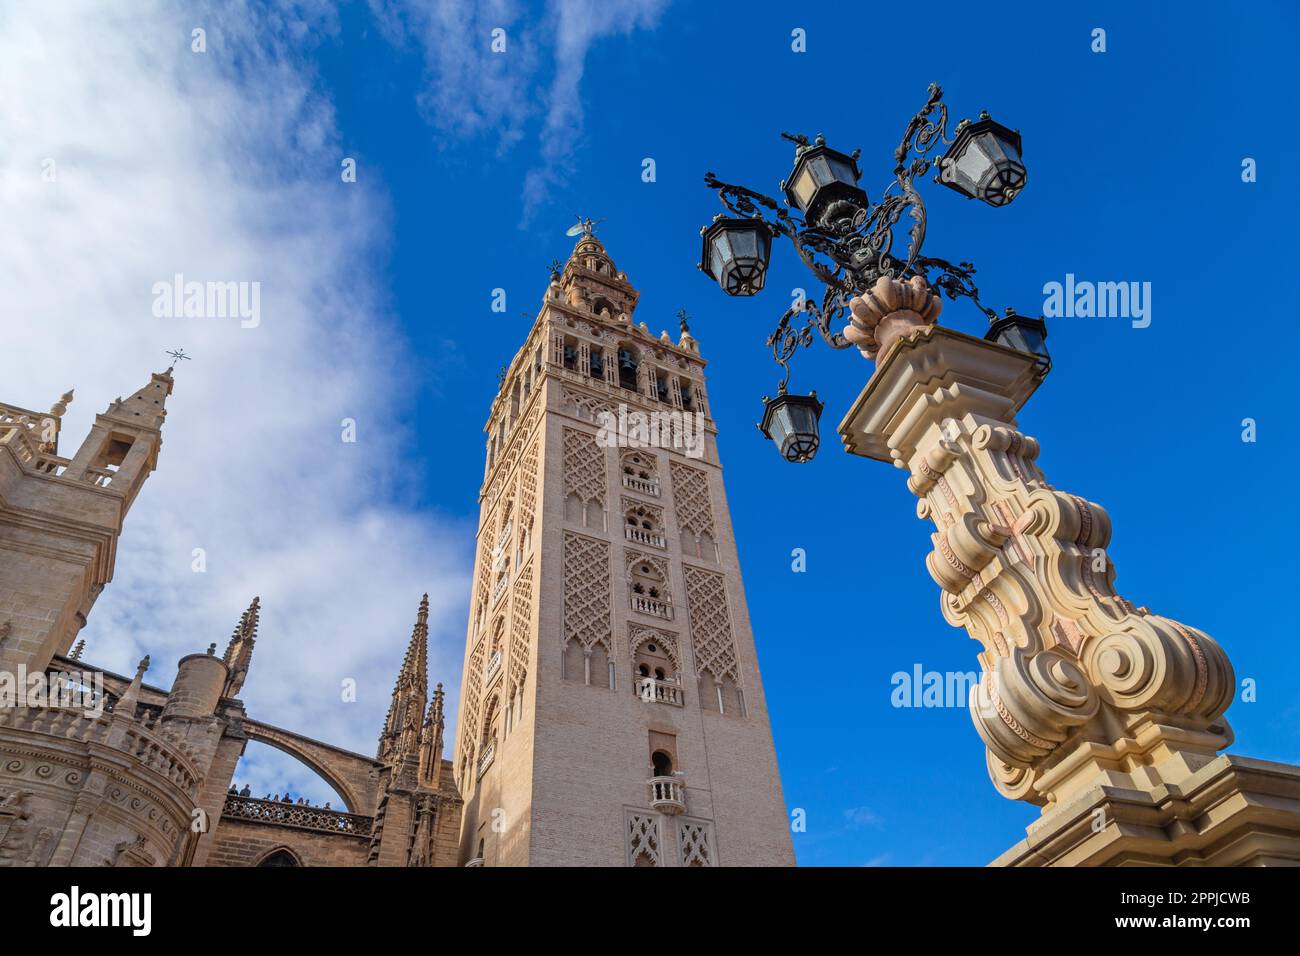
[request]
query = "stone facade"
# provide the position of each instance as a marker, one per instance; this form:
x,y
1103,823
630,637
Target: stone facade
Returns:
x,y
612,711
106,770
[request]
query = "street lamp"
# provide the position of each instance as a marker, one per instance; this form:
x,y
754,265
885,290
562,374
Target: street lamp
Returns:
x,y
735,253
1022,334
792,421
824,182
847,242
984,162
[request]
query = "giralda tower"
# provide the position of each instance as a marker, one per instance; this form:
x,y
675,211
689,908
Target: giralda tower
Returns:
x,y
612,712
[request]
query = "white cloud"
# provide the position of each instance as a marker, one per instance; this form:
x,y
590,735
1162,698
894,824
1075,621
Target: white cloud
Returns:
x,y
222,166
472,90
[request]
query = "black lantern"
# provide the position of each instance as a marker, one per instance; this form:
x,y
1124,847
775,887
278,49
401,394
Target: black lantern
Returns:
x,y
792,422
735,254
824,184
1022,334
984,162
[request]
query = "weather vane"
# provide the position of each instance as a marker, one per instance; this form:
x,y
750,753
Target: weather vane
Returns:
x,y
683,317
585,227
178,355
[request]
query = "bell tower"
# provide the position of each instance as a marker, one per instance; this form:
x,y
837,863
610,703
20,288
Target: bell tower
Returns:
x,y
612,712
60,518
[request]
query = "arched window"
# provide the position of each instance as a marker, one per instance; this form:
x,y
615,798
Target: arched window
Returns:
x,y
628,363
662,763
280,857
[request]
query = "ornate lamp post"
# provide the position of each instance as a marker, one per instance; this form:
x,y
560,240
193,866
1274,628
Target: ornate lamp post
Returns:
x,y
1107,715
848,242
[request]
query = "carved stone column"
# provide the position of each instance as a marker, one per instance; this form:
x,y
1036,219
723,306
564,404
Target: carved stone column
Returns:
x,y
1103,713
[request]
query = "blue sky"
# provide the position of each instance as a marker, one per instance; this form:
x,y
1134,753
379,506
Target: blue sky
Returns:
x,y
469,170
1134,158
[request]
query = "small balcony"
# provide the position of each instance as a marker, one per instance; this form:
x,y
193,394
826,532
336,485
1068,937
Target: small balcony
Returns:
x,y
502,584
652,607
652,538
646,486
485,760
493,663
667,794
655,691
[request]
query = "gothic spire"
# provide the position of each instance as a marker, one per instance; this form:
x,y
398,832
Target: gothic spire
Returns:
x,y
431,740
401,735
239,652
147,407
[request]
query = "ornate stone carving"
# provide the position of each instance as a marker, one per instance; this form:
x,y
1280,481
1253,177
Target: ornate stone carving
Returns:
x,y
1077,682
711,635
521,626
587,592
643,839
584,467
691,499
892,308
694,843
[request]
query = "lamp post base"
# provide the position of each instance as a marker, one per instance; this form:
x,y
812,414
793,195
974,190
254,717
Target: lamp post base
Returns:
x,y
1233,811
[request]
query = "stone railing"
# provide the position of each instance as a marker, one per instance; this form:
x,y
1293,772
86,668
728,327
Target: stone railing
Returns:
x,y
19,434
655,691
136,737
653,538
667,794
295,815
485,759
645,486
652,607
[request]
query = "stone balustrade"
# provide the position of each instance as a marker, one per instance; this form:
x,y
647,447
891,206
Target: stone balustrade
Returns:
x,y
655,691
296,815
644,486
667,794
652,538
652,607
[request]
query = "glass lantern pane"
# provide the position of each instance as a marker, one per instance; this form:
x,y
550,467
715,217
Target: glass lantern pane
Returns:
x,y
991,147
744,243
720,253
973,163
804,187
842,170
821,170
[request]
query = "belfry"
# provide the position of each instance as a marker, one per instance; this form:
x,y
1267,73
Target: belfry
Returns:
x,y
612,712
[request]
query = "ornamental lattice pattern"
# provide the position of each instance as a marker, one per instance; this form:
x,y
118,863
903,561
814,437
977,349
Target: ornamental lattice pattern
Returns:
x,y
696,847
521,626
711,635
643,839
586,591
469,705
583,406
584,467
484,571
528,487
691,496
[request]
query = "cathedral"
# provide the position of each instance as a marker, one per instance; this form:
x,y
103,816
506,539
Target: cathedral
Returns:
x,y
611,708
